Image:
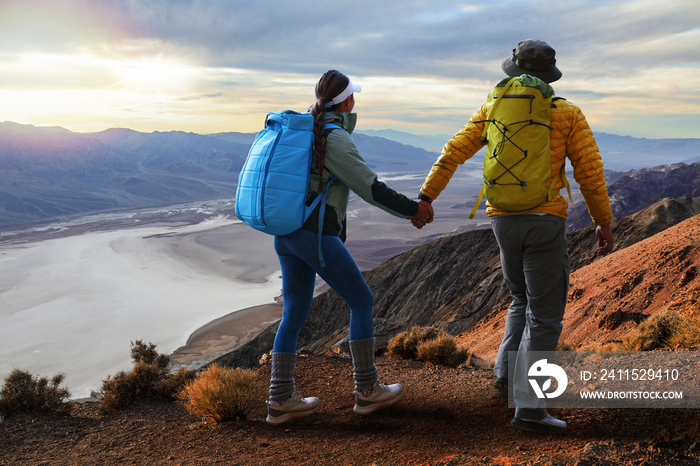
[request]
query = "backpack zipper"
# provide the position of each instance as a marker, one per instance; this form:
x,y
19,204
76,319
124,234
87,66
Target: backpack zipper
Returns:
x,y
531,98
268,162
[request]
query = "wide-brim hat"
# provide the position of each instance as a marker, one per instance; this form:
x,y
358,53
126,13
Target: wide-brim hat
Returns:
x,y
533,57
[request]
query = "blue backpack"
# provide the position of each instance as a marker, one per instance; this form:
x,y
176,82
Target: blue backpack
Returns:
x,y
273,183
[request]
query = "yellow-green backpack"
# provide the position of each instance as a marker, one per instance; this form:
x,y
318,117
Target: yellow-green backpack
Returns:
x,y
517,163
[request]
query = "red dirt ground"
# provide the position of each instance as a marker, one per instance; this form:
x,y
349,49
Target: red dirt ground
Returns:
x,y
447,416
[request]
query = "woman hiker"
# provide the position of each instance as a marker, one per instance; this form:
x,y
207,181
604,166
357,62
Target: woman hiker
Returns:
x,y
335,153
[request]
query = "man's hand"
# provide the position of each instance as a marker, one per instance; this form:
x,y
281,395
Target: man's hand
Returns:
x,y
424,215
605,239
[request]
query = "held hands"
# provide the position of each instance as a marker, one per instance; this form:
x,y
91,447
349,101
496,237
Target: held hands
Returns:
x,y
424,215
605,239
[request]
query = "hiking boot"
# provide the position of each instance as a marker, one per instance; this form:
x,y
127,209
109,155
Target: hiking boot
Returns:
x,y
548,424
501,384
369,400
294,406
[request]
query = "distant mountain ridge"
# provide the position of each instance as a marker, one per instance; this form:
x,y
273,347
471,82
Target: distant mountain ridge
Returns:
x,y
429,142
619,153
47,173
623,153
637,189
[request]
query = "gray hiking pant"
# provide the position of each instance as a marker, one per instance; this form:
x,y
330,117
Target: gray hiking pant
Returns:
x,y
535,264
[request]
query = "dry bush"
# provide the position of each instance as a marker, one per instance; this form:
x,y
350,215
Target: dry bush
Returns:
x,y
442,351
222,393
150,377
601,347
22,393
563,346
171,386
147,354
405,345
118,392
664,330
428,344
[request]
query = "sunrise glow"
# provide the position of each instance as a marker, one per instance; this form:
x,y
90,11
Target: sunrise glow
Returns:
x,y
89,66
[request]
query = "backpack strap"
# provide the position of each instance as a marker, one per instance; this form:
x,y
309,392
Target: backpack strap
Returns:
x,y
321,216
489,117
478,200
322,198
554,99
561,175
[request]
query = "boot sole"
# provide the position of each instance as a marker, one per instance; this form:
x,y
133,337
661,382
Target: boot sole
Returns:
x,y
536,426
364,410
289,416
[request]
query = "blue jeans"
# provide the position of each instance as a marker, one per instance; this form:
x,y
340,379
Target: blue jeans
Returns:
x,y
298,256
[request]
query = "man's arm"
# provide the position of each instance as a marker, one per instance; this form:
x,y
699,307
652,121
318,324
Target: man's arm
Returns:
x,y
456,151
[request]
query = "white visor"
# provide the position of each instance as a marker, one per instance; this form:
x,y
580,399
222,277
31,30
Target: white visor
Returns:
x,y
345,94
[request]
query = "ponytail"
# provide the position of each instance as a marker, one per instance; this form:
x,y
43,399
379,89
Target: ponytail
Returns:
x,y
319,113
328,86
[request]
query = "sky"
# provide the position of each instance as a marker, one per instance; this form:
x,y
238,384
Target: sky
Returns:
x,y
633,66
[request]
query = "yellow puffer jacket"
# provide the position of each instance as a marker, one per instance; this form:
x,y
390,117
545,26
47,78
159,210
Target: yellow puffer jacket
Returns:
x,y
570,136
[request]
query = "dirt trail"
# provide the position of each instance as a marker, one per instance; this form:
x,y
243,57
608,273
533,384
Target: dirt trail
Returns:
x,y
448,416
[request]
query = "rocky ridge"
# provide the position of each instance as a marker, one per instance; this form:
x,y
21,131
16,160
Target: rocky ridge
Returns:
x,y
636,190
609,297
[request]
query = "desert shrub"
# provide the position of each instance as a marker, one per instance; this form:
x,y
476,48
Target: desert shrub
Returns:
x,y
428,344
23,393
149,377
118,392
663,330
563,346
147,354
171,386
601,347
442,351
405,345
222,393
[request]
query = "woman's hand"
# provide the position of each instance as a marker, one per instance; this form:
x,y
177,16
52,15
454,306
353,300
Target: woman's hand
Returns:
x,y
424,215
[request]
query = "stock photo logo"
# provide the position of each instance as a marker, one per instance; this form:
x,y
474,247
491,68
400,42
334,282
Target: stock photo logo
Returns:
x,y
542,368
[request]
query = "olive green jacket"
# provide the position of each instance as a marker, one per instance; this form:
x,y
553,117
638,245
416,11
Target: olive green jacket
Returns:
x,y
343,160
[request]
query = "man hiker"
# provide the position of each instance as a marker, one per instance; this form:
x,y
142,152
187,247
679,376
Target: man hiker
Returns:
x,y
532,241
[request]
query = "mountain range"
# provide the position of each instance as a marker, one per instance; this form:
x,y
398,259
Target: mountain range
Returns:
x,y
637,189
48,173
618,152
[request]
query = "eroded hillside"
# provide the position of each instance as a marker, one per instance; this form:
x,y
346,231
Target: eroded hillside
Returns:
x,y
456,283
611,296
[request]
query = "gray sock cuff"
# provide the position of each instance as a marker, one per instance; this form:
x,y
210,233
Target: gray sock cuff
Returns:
x,y
365,372
282,384
283,359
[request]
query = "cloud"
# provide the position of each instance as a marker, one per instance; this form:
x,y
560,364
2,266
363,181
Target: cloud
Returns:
x,y
421,38
428,62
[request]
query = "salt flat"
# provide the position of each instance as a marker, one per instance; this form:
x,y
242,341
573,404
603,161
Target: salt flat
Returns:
x,y
74,295
73,304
